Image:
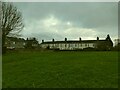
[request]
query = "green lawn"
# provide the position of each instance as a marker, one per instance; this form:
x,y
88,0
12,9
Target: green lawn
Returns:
x,y
60,70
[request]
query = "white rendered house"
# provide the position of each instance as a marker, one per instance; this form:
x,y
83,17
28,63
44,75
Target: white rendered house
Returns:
x,y
77,44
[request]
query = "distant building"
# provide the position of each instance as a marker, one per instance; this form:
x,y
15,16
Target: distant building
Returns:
x,y
80,44
12,42
31,43
17,43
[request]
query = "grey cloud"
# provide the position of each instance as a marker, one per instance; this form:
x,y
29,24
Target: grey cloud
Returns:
x,y
90,14
100,16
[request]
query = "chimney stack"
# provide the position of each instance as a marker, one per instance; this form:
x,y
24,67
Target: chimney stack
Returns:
x,y
80,39
108,37
27,39
42,41
97,38
65,39
53,40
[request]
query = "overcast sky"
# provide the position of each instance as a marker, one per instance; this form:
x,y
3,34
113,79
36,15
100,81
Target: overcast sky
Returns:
x,y
48,20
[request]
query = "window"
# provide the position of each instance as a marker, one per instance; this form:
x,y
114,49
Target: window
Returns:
x,y
57,45
72,45
65,45
81,44
69,45
60,45
75,45
13,42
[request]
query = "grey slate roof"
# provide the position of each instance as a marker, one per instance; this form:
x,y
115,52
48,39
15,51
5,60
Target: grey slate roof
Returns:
x,y
73,41
15,39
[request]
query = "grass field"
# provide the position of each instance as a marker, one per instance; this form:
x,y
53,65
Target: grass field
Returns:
x,y
60,70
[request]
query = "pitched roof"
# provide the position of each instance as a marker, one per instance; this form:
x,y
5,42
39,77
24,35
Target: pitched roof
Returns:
x,y
15,39
73,41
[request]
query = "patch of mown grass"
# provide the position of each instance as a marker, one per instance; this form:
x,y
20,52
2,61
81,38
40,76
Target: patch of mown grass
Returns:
x,y
60,70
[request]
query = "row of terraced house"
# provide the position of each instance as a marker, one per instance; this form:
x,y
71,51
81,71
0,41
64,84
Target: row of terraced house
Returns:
x,y
103,44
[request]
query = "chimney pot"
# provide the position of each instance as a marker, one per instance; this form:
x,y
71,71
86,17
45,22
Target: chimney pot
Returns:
x,y
97,38
65,39
42,41
80,39
53,40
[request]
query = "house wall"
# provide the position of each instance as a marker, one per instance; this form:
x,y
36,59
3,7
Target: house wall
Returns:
x,y
13,44
19,44
69,46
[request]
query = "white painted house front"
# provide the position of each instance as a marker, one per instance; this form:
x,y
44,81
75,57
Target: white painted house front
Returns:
x,y
73,45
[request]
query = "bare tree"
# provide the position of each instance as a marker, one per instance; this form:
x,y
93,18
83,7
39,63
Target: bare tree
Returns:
x,y
11,21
